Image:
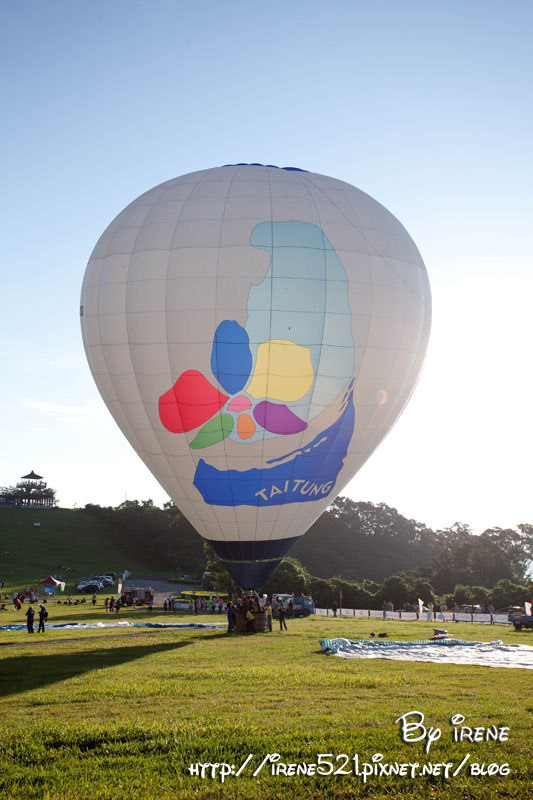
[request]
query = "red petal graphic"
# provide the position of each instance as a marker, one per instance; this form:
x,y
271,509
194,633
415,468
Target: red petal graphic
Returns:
x,y
190,403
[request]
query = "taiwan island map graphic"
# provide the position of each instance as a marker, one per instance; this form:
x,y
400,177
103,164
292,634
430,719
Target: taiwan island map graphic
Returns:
x,y
293,358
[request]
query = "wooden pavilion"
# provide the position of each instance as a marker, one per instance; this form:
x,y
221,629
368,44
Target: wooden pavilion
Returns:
x,y
30,492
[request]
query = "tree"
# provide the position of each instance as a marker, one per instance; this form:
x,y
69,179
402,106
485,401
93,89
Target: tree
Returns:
x,y
289,577
364,540
509,549
354,595
467,559
362,544
370,587
395,589
321,591
161,532
508,593
471,595
421,588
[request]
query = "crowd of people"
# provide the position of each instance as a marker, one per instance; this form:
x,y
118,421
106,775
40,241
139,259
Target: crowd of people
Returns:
x,y
19,598
202,605
247,609
252,608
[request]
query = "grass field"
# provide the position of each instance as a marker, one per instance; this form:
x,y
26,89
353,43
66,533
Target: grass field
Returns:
x,y
114,715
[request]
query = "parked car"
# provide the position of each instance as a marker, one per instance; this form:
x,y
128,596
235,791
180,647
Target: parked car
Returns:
x,y
106,580
91,586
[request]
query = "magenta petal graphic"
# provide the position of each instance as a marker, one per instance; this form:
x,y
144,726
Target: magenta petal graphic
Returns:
x,y
240,403
278,418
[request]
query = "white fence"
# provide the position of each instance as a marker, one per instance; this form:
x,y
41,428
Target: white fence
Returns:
x,y
425,616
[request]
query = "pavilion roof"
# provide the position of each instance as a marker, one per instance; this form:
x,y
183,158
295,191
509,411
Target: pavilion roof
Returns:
x,y
32,476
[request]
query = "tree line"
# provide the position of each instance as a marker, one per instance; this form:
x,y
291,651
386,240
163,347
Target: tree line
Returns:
x,y
399,589
368,551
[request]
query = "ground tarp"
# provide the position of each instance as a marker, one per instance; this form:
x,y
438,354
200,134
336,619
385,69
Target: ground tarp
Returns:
x,y
444,651
121,624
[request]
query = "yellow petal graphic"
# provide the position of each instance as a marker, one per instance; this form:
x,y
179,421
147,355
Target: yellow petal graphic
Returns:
x,y
283,371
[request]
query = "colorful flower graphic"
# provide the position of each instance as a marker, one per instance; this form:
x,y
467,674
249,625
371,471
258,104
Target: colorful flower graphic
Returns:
x,y
292,359
283,372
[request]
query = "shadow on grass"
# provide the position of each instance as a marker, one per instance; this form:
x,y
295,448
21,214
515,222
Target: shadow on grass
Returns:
x,y
37,671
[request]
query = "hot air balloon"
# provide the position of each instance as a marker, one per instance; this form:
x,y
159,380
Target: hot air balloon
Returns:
x,y
255,332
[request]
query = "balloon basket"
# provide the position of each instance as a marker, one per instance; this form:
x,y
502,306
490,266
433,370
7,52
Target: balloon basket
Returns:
x,y
240,626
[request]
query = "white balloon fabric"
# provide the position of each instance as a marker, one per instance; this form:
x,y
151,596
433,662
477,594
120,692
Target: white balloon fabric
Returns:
x,y
255,332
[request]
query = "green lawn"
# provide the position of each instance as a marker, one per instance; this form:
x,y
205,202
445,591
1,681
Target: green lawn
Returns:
x,y
115,715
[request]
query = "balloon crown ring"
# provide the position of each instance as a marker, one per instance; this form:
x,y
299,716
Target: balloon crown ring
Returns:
x,y
273,166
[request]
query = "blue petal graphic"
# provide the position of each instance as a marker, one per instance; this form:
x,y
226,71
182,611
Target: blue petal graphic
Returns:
x,y
231,359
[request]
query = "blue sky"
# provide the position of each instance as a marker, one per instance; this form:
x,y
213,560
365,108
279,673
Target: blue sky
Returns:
x,y
424,105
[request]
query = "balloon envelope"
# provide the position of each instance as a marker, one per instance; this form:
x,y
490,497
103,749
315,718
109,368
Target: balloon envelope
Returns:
x,y
255,332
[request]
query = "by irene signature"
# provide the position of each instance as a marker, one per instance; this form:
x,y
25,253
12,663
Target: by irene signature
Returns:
x,y
412,729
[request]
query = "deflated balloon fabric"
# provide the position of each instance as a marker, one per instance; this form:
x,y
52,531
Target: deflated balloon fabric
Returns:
x,y
453,651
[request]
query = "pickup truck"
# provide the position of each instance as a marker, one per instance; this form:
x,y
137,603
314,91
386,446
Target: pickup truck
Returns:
x,y
520,620
302,605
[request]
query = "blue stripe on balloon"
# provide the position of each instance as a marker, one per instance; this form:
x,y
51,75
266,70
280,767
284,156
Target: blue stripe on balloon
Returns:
x,y
309,475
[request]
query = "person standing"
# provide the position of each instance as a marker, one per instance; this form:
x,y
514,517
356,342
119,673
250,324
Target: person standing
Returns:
x,y
282,613
94,598
231,618
250,621
106,604
268,615
30,614
43,616
334,608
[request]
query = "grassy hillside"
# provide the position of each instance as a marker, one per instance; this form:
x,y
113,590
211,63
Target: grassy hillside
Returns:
x,y
78,539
